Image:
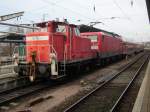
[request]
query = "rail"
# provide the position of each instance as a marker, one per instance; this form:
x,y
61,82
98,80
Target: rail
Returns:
x,y
77,103
142,102
22,88
128,86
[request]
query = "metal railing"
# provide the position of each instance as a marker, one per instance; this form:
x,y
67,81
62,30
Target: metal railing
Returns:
x,y
26,53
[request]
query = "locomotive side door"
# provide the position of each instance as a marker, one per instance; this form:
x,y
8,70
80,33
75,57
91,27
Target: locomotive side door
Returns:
x,y
76,43
68,44
102,45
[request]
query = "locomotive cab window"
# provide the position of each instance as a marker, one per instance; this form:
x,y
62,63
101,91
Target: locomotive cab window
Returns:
x,y
43,29
93,38
61,28
77,32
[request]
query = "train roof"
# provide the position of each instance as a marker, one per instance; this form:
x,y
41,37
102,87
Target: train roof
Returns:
x,y
85,28
54,22
102,33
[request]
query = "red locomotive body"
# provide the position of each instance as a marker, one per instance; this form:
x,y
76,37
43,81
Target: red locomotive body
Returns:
x,y
51,51
37,43
106,45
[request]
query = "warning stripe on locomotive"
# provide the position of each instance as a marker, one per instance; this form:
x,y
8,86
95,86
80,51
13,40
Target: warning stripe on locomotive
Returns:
x,y
35,38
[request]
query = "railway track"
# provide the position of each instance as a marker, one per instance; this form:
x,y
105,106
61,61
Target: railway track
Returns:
x,y
13,83
108,95
115,107
9,95
24,88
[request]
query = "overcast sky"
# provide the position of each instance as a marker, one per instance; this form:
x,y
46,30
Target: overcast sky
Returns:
x,y
131,15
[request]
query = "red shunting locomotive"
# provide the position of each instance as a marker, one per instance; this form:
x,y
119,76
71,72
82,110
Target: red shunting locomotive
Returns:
x,y
54,49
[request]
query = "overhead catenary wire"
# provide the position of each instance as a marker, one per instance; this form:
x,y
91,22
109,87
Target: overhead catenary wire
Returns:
x,y
68,9
129,18
93,8
122,11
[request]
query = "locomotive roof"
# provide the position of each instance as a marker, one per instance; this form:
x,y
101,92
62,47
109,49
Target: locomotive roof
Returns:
x,y
103,33
84,28
54,22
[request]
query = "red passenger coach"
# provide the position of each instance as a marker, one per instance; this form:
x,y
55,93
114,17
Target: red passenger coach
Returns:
x,y
53,50
132,48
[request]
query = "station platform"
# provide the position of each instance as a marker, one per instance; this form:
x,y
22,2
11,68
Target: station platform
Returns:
x,y
142,103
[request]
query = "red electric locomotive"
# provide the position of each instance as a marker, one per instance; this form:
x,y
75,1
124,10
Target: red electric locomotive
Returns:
x,y
107,45
54,49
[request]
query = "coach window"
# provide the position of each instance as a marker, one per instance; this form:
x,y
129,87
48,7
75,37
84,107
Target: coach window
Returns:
x,y
77,32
